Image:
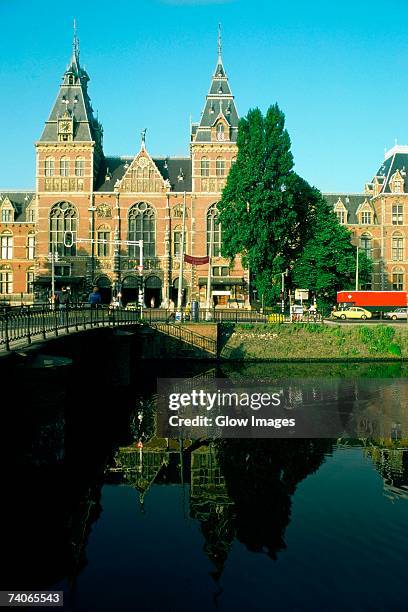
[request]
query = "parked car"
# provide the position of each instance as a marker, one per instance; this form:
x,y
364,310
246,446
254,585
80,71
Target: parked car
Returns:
x,y
397,313
355,312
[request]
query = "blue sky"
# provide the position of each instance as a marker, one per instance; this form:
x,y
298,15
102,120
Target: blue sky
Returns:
x,y
337,70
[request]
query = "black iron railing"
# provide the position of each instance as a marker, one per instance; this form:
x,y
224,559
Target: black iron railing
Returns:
x,y
187,336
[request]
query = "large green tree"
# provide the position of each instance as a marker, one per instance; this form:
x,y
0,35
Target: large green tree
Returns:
x,y
268,213
328,260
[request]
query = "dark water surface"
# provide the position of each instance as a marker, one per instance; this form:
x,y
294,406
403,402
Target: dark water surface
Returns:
x,y
225,525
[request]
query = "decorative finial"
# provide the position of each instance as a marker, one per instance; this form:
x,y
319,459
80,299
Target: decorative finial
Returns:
x,y
143,136
75,45
219,41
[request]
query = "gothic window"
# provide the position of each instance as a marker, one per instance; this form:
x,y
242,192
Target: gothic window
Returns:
x,y
220,166
63,227
398,279
205,167
366,243
397,214
6,281
397,247
142,226
220,131
31,245
79,166
6,240
103,237
177,240
214,231
64,166
49,166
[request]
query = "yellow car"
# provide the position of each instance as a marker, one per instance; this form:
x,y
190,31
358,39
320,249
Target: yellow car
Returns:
x,y
355,312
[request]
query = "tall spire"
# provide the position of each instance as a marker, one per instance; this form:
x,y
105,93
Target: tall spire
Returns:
x,y
75,45
219,43
219,102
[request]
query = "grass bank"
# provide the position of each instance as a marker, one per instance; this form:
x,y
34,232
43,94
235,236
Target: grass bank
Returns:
x,y
307,342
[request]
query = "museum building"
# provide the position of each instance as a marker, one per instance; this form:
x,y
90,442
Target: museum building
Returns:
x,y
89,212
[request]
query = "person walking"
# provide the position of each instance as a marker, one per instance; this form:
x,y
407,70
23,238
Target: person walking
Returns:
x,y
64,304
94,298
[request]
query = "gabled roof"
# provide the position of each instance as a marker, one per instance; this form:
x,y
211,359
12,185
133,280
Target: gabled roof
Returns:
x,y
352,202
169,168
395,159
20,201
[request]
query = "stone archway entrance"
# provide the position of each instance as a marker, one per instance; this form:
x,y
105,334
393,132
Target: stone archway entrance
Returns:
x,y
104,285
130,291
153,292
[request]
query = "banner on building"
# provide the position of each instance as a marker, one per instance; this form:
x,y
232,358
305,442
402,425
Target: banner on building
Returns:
x,y
196,261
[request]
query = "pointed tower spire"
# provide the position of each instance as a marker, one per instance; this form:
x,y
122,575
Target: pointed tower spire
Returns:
x,y
75,45
219,104
219,43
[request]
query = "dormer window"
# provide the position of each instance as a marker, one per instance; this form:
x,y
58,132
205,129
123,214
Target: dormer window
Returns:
x,y
366,217
220,132
397,187
7,215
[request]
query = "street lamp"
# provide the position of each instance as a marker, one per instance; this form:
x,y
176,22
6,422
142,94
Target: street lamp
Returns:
x,y
53,257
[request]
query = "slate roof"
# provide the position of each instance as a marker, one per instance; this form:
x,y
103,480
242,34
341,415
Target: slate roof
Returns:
x,y
396,159
218,101
20,200
73,99
351,201
169,168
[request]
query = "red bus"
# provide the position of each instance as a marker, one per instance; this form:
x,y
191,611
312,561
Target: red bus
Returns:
x,y
375,301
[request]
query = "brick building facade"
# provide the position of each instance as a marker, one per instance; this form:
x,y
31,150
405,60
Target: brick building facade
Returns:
x,y
101,203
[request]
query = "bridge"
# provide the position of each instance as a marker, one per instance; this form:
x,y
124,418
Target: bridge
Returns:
x,y
19,328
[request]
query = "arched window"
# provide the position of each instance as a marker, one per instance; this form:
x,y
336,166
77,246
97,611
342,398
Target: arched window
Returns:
x,y
31,245
49,166
205,167
397,247
142,226
6,280
64,166
366,243
398,279
63,227
103,237
220,166
6,243
214,230
79,166
220,131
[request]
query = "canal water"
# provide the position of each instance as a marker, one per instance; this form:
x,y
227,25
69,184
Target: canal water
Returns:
x,y
100,507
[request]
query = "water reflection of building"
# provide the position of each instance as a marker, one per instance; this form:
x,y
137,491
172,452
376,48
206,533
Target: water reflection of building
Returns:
x,y
211,505
238,488
392,464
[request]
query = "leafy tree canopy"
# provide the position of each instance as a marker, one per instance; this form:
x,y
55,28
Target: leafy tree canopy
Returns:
x,y
276,221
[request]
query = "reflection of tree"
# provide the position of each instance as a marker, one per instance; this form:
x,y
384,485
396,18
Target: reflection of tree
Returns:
x,y
260,477
392,464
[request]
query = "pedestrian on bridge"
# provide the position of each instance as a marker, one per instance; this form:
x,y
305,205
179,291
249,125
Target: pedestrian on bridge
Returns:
x,y
94,298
